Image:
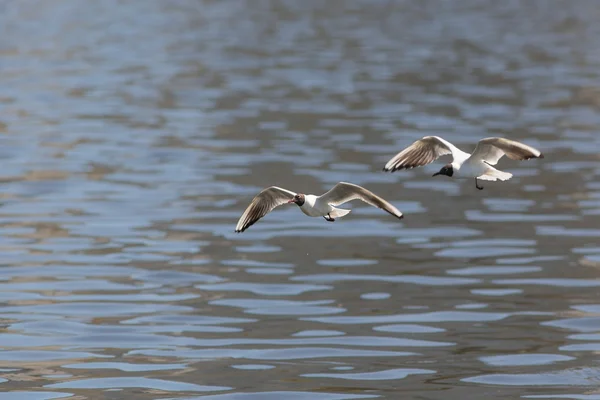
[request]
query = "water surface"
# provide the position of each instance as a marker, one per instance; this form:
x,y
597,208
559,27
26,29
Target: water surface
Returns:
x,y
133,134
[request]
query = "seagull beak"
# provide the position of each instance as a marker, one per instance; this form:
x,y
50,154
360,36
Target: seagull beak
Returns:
x,y
436,174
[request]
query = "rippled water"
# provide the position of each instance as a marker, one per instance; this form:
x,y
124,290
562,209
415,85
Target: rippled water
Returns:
x,y
134,133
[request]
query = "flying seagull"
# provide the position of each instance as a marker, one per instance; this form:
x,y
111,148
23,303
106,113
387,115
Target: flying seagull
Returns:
x,y
478,165
314,206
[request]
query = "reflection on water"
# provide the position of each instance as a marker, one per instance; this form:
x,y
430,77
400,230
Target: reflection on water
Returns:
x,y
133,134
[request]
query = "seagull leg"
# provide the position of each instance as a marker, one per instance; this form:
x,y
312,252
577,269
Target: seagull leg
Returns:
x,y
328,218
477,186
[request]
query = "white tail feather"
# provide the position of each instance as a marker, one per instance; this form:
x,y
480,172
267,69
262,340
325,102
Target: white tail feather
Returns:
x,y
493,175
338,213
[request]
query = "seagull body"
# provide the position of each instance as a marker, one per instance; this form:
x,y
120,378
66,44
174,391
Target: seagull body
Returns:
x,y
314,206
478,165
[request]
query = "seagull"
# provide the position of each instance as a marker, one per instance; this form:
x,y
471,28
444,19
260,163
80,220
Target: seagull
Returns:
x,y
314,206
478,165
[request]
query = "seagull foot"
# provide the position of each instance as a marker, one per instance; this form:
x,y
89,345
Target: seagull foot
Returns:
x,y
328,218
477,186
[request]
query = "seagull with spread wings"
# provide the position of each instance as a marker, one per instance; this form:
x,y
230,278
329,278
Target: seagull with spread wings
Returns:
x,y
314,206
478,165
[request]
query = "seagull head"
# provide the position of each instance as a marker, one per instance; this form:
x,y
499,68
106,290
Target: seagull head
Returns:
x,y
298,199
446,170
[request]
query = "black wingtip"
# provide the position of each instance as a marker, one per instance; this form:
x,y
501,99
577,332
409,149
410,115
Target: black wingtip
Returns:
x,y
541,155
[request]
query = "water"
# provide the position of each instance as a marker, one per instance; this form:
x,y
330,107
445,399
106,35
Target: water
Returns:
x,y
133,134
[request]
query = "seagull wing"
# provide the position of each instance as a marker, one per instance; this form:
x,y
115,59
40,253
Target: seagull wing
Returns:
x,y
344,192
492,149
422,152
262,204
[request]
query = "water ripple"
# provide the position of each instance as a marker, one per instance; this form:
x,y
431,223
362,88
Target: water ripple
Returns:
x,y
135,382
125,366
389,374
280,307
570,377
436,316
494,270
524,359
37,395
268,289
286,395
300,353
415,279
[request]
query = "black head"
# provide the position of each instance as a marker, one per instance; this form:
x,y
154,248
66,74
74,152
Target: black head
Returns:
x,y
446,170
298,199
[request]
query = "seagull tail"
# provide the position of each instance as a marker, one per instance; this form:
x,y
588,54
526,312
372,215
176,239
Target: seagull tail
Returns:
x,y
339,213
493,175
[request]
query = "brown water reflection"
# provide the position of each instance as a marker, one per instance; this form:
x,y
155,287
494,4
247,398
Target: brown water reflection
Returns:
x,y
133,134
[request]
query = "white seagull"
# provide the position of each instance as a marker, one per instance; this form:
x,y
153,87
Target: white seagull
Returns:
x,y
314,206
478,165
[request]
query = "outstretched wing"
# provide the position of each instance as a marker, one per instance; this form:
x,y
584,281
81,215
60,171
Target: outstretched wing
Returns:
x,y
422,152
344,192
492,149
262,204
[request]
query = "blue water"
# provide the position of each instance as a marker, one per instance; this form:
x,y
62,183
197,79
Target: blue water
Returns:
x,y
133,135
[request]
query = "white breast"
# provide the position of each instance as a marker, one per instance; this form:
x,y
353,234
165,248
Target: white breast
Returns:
x,y
472,169
313,208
